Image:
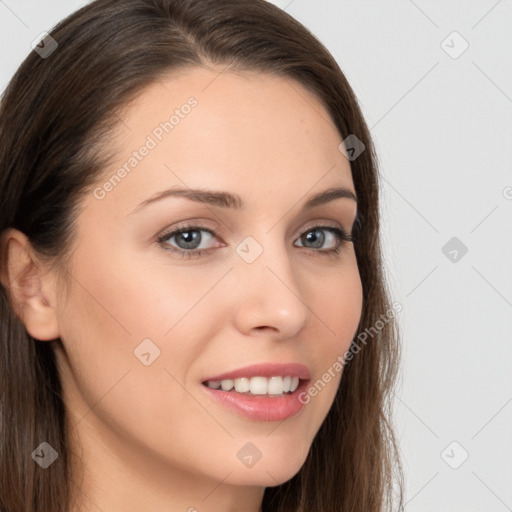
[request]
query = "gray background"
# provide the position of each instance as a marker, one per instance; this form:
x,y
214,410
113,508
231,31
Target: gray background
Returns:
x,y
442,125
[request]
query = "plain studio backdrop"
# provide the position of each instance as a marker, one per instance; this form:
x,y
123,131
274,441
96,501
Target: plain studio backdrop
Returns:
x,y
434,81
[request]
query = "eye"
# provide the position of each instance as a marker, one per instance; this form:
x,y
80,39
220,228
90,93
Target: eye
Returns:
x,y
188,240
316,236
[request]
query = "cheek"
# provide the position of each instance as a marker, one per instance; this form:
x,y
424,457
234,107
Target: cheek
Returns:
x,y
133,297
115,307
338,305
122,309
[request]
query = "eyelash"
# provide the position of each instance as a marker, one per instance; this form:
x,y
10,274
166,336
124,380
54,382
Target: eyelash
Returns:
x,y
339,232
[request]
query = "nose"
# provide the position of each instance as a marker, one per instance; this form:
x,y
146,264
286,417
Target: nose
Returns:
x,y
269,298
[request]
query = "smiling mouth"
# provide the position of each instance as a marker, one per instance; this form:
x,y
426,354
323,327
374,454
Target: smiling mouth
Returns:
x,y
257,386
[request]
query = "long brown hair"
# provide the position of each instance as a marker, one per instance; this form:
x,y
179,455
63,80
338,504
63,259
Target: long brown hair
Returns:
x,y
56,118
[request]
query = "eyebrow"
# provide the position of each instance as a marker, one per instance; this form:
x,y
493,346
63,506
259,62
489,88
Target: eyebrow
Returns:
x,y
229,200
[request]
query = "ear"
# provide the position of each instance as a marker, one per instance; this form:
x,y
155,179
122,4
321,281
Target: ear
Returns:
x,y
31,290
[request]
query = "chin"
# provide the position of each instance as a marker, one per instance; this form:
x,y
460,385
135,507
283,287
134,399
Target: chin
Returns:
x,y
276,471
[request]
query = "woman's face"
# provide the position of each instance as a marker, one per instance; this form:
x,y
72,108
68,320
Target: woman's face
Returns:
x,y
144,327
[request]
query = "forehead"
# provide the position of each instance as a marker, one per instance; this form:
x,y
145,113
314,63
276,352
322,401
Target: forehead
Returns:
x,y
244,132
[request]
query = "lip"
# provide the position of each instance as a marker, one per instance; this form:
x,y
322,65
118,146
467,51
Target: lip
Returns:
x,y
261,407
265,370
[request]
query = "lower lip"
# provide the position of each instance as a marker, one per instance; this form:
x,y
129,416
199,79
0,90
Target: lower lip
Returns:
x,y
262,407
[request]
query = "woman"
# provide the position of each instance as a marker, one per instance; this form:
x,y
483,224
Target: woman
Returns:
x,y
192,293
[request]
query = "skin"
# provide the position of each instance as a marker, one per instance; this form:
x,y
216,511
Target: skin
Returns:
x,y
149,436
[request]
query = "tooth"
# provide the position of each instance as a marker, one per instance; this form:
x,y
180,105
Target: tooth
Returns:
x,y
258,385
275,386
227,384
242,385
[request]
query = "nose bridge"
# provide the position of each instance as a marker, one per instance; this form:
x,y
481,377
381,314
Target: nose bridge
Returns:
x,y
268,287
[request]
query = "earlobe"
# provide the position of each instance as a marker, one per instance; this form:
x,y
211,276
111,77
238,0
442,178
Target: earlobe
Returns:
x,y
30,289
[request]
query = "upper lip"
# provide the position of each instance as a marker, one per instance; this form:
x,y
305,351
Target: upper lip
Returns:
x,y
265,370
